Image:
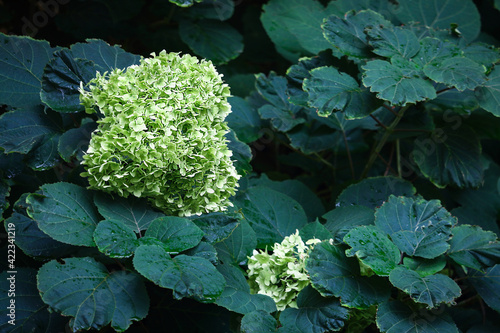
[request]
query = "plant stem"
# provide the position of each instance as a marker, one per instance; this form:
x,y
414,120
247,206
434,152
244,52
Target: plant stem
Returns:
x,y
351,165
398,158
381,143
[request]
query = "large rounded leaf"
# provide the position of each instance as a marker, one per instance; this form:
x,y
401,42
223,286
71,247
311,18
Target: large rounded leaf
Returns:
x,y
418,227
85,290
187,276
65,212
333,274
114,239
176,233
487,285
431,290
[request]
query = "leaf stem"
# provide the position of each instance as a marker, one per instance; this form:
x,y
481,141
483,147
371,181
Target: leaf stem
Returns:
x,y
351,165
378,121
390,109
378,147
443,90
398,158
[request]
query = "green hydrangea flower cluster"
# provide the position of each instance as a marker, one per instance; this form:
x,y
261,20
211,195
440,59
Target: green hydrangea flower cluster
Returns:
x,y
282,274
162,134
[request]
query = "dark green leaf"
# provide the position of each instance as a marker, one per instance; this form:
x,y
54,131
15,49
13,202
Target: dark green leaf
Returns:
x,y
212,9
448,156
25,129
388,41
373,192
271,214
214,40
441,14
331,90
417,227
61,81
33,241
65,212
342,219
431,290
216,226
373,248
45,156
258,322
347,34
133,213
104,56
236,296
333,274
487,285
273,88
204,250
313,138
315,314
242,154
243,120
395,317
482,54
193,277
75,141
434,51
4,193
488,94
238,246
425,267
281,120
114,239
176,233
85,290
30,313
23,60
398,82
459,72
184,3
315,230
474,247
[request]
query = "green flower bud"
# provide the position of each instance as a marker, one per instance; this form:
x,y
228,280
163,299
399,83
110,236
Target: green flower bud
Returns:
x,y
162,134
282,274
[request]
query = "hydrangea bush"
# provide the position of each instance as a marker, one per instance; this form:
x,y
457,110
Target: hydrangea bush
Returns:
x,y
162,134
282,274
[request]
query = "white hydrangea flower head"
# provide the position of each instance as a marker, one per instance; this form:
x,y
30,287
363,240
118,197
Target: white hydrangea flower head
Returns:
x,y
162,134
282,274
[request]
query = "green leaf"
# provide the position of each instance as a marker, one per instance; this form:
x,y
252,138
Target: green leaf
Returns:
x,y
388,41
417,227
331,90
236,296
281,120
399,82
487,285
105,57
238,246
342,219
85,290
65,212
431,290
204,250
23,60
61,81
425,267
313,138
75,141
258,322
46,156
216,226
4,193
211,39
488,94
347,34
373,248
184,3
271,214
212,9
483,54
315,314
474,247
244,120
441,14
114,239
133,213
373,192
333,274
315,230
242,154
273,88
176,233
434,51
30,313
187,276
23,130
295,27
395,317
448,156
459,72
32,241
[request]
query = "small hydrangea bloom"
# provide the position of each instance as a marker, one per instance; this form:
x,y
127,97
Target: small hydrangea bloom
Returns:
x,y
282,274
161,134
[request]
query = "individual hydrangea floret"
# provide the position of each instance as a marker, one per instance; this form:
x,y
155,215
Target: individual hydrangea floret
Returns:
x,y
282,274
161,134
